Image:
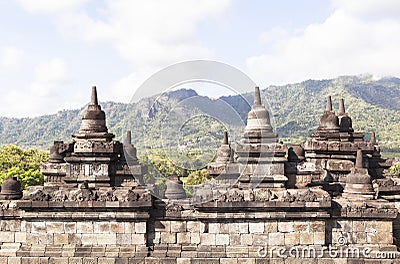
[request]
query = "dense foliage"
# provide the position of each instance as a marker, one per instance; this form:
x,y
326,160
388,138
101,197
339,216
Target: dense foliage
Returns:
x,y
395,169
23,164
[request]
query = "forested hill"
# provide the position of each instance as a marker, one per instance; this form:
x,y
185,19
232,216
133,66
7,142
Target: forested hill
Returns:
x,y
374,105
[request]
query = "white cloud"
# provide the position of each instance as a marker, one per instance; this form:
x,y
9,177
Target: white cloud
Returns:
x,y
10,57
147,32
49,77
358,37
50,6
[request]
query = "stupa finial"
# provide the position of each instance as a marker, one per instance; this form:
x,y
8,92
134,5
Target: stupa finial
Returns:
x,y
225,141
257,96
359,159
329,104
128,138
342,110
373,138
93,100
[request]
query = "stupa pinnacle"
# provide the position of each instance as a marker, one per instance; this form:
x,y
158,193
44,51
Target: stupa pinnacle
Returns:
x,y
329,121
258,118
93,118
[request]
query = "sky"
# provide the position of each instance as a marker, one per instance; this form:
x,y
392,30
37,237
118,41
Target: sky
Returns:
x,y
52,52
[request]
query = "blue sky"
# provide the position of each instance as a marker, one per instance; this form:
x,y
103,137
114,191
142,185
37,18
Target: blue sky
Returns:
x,y
52,52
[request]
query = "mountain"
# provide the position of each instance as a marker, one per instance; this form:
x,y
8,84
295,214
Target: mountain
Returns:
x,y
374,105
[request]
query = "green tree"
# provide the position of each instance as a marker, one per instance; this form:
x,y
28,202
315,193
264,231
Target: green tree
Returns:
x,y
395,169
198,177
23,164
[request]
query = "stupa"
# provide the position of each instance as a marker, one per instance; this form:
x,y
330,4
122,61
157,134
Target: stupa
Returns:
x,y
333,150
93,156
260,156
358,182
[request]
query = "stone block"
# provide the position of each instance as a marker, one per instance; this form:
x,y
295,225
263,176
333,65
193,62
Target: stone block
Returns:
x,y
183,261
246,239
270,227
38,227
276,239
167,238
345,225
58,260
178,226
301,226
183,238
233,228
106,261
228,261
207,239
60,239
246,261
129,227
214,228
140,227
317,226
101,227
193,227
256,227
84,227
243,228
124,239
7,237
195,238
359,237
306,238
12,260
260,239
32,239
106,239
74,239
117,227
70,227
89,239
55,227
358,226
221,239
384,226
47,239
20,237
292,238
319,238
285,227
235,239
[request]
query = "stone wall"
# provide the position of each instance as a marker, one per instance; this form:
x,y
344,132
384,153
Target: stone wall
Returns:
x,y
194,237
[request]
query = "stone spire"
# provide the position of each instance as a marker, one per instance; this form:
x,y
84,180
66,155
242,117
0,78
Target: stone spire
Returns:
x,y
225,141
341,107
130,150
373,138
93,118
257,96
329,121
93,98
128,138
359,159
329,104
